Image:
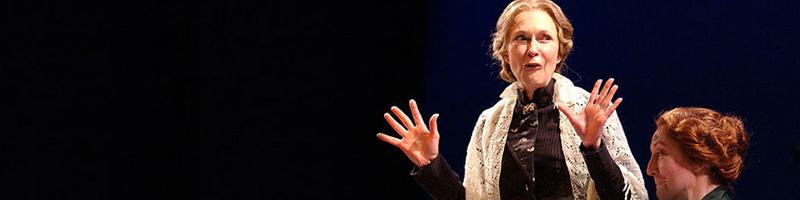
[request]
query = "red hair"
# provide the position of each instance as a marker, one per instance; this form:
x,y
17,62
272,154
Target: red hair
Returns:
x,y
706,136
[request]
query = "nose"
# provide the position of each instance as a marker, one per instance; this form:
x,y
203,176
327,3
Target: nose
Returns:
x,y
651,168
533,48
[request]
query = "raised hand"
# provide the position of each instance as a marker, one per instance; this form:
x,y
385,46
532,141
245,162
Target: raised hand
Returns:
x,y
418,143
589,122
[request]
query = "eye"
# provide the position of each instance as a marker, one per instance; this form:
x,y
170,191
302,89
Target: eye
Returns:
x,y
521,37
546,38
659,154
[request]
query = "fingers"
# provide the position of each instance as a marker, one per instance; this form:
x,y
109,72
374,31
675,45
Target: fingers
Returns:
x,y
403,117
602,96
415,113
396,126
593,95
432,122
613,107
389,139
607,99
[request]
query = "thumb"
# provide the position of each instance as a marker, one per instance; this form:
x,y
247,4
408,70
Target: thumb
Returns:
x,y
433,123
563,108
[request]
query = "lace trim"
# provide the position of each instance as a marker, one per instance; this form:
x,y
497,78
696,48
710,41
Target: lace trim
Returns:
x,y
485,150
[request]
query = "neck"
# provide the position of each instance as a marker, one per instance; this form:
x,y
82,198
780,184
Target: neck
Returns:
x,y
529,94
528,91
702,187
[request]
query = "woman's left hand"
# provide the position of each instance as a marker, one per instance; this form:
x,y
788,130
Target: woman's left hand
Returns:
x,y
589,122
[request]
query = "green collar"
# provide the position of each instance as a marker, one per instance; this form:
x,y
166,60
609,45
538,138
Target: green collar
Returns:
x,y
719,193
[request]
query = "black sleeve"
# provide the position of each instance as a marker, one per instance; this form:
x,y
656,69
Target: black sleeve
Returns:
x,y
607,177
439,179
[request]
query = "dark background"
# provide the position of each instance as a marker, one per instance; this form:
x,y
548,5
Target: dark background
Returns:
x,y
737,57
282,100
98,100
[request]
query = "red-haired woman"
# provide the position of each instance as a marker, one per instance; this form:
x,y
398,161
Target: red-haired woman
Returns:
x,y
696,154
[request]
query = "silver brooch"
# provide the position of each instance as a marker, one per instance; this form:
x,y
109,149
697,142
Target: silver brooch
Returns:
x,y
530,108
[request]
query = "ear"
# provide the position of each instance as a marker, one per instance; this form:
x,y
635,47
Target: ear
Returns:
x,y
700,168
505,58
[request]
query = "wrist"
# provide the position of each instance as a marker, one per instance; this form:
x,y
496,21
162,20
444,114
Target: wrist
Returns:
x,y
592,146
426,162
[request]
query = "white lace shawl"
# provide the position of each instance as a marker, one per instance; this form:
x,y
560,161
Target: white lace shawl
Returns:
x,y
485,149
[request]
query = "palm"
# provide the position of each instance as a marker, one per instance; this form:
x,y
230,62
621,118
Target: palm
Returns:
x,y
420,144
589,122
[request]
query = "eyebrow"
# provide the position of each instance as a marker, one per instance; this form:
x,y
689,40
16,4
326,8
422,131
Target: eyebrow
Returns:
x,y
659,142
535,32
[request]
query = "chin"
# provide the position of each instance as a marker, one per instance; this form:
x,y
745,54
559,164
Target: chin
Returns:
x,y
535,84
662,195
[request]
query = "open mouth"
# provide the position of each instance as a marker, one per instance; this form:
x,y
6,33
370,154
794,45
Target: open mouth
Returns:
x,y
532,65
660,183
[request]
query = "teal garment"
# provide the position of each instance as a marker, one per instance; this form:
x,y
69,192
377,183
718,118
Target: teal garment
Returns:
x,y
719,193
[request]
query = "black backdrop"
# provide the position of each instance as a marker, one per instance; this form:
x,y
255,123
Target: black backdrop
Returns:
x,y
257,100
98,100
295,94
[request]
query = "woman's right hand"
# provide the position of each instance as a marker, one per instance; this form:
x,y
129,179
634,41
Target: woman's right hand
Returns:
x,y
418,143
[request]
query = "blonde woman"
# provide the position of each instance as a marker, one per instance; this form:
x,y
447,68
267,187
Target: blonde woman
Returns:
x,y
544,139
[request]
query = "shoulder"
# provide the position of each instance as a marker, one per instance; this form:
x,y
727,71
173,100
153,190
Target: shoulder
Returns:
x,y
509,95
567,93
494,110
579,93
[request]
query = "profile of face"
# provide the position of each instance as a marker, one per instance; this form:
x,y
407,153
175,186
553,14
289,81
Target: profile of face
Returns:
x,y
532,51
670,168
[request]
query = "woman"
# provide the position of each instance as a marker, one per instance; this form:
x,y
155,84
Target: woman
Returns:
x,y
544,130
696,153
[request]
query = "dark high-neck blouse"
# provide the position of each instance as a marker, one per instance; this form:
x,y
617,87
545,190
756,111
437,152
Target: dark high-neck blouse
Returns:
x,y
533,147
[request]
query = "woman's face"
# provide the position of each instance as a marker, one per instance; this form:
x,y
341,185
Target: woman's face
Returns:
x,y
670,168
532,50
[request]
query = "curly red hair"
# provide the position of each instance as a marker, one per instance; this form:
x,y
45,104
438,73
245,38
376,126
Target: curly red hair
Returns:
x,y
706,136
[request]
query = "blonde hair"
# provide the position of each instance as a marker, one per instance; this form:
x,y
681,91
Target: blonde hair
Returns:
x,y
500,37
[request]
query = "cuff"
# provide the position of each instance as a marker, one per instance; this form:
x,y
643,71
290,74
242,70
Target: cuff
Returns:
x,y
439,179
606,173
